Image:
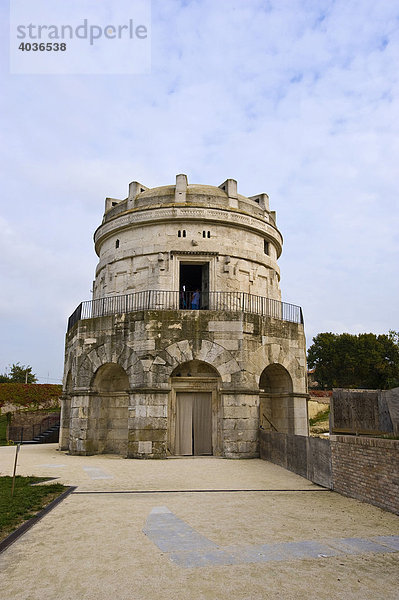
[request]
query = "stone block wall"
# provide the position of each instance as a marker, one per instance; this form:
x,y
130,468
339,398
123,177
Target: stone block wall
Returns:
x,y
122,373
306,456
148,425
364,468
240,425
367,469
362,411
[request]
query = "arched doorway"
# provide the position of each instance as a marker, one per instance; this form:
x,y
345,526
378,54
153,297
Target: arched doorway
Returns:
x,y
276,399
194,428
108,418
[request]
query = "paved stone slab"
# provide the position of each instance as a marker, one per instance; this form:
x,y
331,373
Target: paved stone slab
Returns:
x,y
189,549
96,473
357,546
306,549
392,541
171,534
259,553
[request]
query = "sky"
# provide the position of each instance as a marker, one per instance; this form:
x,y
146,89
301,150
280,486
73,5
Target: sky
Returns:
x,y
295,98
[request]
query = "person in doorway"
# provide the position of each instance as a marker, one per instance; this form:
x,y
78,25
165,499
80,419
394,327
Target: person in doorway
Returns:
x,y
195,300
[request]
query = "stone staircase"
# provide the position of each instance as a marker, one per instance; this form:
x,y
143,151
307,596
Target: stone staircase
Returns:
x,y
49,436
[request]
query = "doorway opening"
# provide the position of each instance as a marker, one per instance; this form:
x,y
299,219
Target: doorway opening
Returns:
x,y
194,423
194,285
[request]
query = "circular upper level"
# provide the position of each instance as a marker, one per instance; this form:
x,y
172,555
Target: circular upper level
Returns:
x,y
189,202
182,236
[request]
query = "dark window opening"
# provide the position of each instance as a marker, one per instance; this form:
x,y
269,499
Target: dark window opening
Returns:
x,y
114,203
266,246
179,233
209,234
257,200
184,233
204,234
117,244
194,286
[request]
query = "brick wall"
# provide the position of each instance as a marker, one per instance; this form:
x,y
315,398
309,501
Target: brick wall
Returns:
x,y
367,469
364,468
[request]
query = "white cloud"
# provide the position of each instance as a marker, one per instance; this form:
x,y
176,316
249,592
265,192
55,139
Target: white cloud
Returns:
x,y
296,98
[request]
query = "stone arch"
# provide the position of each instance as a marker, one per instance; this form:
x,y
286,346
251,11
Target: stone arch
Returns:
x,y
194,423
98,357
110,377
208,352
276,379
195,368
107,429
85,371
276,399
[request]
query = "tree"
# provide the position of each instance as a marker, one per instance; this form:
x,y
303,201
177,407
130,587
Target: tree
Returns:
x,y
394,336
365,360
19,374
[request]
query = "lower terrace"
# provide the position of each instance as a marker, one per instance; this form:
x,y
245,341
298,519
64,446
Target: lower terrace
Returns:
x,y
186,300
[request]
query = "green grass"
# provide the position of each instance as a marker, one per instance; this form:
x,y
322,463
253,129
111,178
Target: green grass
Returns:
x,y
27,501
320,417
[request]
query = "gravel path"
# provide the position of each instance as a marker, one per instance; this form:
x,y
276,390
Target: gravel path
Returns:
x,y
196,528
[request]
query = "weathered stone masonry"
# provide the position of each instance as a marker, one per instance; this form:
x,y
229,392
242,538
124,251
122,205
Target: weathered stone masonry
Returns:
x,y
142,376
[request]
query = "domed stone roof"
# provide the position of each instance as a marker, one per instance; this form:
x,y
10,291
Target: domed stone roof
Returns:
x,y
224,196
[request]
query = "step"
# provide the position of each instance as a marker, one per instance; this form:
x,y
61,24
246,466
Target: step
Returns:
x,y
27,442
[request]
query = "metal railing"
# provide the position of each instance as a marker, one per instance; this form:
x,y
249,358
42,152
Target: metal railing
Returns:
x,y
29,431
45,425
174,300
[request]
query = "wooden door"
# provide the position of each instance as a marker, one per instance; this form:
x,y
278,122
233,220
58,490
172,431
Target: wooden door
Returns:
x,y
193,423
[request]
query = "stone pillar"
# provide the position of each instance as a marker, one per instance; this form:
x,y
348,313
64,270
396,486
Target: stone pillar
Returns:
x,y
289,412
301,417
79,437
147,424
240,424
110,203
65,419
135,188
230,187
181,188
262,200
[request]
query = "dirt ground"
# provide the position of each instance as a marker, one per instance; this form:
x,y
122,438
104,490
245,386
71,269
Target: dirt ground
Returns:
x,y
92,545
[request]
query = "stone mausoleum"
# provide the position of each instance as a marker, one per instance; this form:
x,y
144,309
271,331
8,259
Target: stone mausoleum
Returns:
x,y
186,347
